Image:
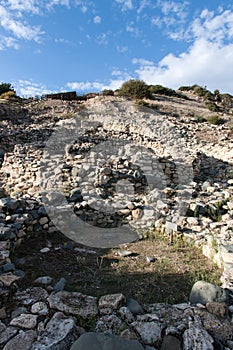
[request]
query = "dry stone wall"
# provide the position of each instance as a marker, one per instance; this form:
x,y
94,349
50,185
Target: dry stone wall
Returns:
x,y
172,160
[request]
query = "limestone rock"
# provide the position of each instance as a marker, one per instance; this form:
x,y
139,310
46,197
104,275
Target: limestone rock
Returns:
x,y
60,332
110,324
218,309
197,338
40,308
31,296
203,292
22,341
74,303
111,301
27,321
6,333
150,332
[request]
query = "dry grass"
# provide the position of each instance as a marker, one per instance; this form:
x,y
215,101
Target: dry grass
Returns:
x,y
169,279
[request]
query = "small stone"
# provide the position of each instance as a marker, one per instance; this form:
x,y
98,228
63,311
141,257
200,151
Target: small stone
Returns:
x,y
109,324
134,307
137,213
18,311
43,220
43,280
39,308
124,253
45,250
112,301
150,259
150,332
126,315
27,321
218,309
60,285
128,334
9,267
31,296
8,278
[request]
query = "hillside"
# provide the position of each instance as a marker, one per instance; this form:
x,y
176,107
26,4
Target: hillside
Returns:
x,y
117,198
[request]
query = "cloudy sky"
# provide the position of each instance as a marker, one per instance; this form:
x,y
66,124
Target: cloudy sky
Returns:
x,y
90,45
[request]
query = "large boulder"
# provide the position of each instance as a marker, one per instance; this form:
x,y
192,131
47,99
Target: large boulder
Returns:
x,y
101,341
204,292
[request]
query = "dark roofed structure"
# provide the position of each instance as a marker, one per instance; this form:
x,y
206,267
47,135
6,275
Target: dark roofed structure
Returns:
x,y
68,96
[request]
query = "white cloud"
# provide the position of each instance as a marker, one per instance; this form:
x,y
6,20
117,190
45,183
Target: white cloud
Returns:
x,y
205,63
53,3
126,4
173,7
122,49
19,29
119,78
24,5
84,86
27,88
144,4
174,15
7,42
130,28
215,28
102,39
97,19
12,18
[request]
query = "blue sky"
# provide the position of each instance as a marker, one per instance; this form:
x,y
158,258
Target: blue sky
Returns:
x,y
87,45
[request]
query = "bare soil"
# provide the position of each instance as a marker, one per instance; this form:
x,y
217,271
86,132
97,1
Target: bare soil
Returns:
x,y
169,278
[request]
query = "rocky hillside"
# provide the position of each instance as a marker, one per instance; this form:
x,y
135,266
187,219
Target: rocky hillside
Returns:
x,y
104,172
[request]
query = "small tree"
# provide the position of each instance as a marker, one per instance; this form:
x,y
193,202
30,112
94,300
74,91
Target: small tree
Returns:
x,y
5,87
135,88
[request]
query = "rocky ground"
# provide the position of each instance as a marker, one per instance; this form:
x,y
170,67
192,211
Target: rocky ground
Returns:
x,y
115,164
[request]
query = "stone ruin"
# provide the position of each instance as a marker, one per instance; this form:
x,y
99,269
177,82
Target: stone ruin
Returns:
x,y
116,166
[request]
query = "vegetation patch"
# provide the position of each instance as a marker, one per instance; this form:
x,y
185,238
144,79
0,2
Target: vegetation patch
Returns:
x,y
169,278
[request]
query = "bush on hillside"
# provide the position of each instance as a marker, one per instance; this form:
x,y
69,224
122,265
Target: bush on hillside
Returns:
x,y
108,92
161,90
5,87
7,95
215,120
212,106
199,91
133,88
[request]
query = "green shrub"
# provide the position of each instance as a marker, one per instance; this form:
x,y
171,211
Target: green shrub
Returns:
x,y
133,88
200,119
161,90
199,91
185,88
212,106
215,120
108,92
5,87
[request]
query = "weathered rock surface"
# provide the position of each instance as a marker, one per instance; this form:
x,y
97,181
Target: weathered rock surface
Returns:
x,y
74,304
100,341
204,292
